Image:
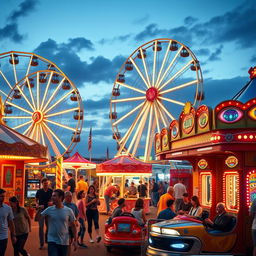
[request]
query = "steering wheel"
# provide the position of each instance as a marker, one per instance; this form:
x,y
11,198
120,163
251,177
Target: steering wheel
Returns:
x,y
127,214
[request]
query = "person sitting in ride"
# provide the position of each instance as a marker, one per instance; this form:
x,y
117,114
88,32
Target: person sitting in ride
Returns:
x,y
222,221
168,213
138,212
185,206
196,210
119,209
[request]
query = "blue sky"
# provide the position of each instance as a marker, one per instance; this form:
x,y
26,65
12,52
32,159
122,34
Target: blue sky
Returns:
x,y
89,41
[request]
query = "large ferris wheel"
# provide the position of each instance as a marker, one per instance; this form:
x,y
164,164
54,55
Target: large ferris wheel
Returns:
x,y
150,89
41,102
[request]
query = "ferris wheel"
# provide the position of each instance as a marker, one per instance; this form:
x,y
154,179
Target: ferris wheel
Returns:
x,y
41,103
150,90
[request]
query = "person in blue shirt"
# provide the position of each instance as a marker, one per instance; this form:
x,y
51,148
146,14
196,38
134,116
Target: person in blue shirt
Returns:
x,y
168,213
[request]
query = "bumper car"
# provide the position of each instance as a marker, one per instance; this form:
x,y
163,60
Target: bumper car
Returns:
x,y
123,231
187,236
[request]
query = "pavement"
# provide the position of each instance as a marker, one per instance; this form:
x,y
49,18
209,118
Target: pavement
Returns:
x,y
94,249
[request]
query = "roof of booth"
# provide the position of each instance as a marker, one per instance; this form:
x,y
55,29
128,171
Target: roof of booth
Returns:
x,y
124,164
78,162
17,145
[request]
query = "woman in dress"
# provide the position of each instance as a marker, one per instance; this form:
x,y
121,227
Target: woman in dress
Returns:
x,y
81,217
92,214
138,212
22,225
196,210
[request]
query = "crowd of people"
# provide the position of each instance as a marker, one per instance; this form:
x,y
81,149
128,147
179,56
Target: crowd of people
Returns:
x,y
61,212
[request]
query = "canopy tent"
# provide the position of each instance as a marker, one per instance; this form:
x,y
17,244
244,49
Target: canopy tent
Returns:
x,y
123,164
78,162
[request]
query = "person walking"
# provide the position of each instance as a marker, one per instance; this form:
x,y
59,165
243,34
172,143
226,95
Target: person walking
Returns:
x,y
108,195
60,218
72,186
162,203
6,221
179,190
43,200
139,213
154,193
22,225
92,214
81,218
81,185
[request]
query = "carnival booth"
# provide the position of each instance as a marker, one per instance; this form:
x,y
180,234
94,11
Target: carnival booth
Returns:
x,y
77,162
15,151
221,146
115,172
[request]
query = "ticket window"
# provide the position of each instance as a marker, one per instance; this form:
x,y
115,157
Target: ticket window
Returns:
x,y
206,189
231,191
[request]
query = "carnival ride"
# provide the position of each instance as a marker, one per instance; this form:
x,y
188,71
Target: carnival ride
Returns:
x,y
150,89
41,102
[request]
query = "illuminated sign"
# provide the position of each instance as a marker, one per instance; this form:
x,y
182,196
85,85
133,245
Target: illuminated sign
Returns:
x,y
202,164
250,188
165,140
188,123
252,113
252,72
230,115
203,119
231,161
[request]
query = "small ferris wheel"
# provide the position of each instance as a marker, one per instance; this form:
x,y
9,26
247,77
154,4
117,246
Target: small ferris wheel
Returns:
x,y
150,89
41,102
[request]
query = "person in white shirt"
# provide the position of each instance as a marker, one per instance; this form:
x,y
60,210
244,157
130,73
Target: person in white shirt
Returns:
x,y
196,210
179,190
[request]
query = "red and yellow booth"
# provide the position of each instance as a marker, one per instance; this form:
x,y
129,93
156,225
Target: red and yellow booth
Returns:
x,y
221,146
117,171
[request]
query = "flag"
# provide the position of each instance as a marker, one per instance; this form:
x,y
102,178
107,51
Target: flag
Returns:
x,y
107,154
90,140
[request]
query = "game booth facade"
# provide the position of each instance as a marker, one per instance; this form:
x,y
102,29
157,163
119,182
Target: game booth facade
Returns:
x,y
220,144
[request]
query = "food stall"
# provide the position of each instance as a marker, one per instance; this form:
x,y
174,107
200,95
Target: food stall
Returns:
x,y
77,162
220,144
115,172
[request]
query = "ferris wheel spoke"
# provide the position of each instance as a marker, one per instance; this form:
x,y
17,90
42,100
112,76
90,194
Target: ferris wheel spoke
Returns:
x,y
156,117
176,74
168,68
145,67
61,125
131,87
16,117
165,110
52,142
6,80
27,131
42,135
55,136
172,101
22,125
148,132
163,63
25,98
37,91
14,69
151,139
179,87
127,114
161,114
141,126
16,106
30,92
4,93
46,89
129,99
32,132
154,66
53,95
58,102
29,65
139,72
37,133
61,112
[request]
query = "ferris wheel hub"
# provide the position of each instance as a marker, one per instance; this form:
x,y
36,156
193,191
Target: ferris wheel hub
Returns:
x,y
151,94
37,116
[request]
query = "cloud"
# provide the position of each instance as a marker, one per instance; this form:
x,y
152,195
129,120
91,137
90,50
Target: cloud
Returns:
x,y
190,20
203,52
10,31
141,20
23,10
253,59
216,54
65,56
114,39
